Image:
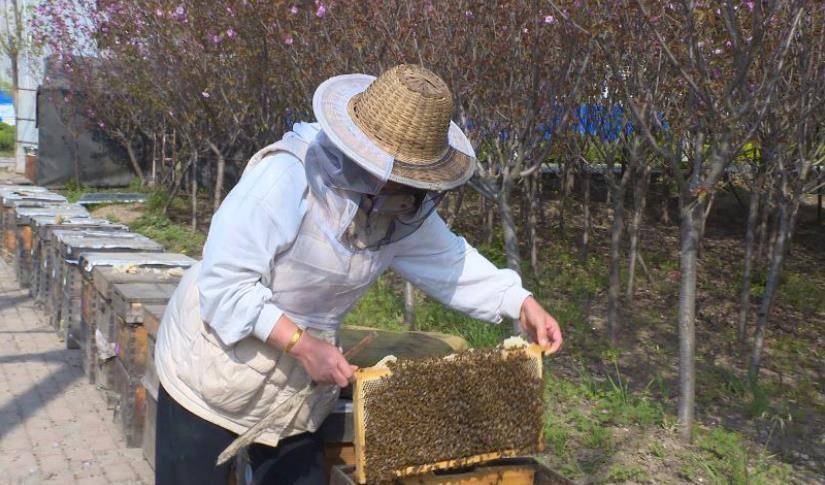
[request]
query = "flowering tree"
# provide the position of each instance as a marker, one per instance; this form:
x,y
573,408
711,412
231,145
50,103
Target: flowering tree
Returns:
x,y
714,92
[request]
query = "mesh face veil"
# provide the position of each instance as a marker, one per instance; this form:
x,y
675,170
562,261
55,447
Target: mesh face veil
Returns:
x,y
362,210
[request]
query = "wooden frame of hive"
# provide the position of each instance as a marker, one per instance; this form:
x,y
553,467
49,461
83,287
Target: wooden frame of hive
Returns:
x,y
365,376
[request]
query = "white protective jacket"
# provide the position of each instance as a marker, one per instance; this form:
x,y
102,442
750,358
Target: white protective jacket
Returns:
x,y
270,252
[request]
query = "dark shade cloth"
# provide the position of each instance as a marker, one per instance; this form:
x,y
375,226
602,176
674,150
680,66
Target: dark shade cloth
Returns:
x,y
187,446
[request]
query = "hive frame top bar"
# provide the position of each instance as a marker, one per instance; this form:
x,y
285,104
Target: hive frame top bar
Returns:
x,y
364,376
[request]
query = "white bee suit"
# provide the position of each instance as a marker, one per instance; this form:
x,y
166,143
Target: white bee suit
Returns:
x,y
273,248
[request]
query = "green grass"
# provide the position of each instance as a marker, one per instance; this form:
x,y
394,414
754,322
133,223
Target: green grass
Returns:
x,y
174,237
723,458
7,135
383,307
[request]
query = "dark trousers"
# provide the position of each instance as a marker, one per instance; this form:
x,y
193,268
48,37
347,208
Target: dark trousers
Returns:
x,y
187,446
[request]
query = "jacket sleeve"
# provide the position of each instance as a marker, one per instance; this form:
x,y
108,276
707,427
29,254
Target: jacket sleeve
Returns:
x,y
448,269
258,219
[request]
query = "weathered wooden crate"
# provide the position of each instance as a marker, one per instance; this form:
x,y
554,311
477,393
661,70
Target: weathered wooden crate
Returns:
x,y
101,271
11,201
68,247
152,315
509,471
41,252
128,300
130,404
150,426
25,231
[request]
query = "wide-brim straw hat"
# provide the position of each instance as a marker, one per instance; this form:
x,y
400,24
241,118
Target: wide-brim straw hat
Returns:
x,y
401,120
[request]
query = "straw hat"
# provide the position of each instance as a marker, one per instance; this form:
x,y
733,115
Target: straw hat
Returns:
x,y
397,126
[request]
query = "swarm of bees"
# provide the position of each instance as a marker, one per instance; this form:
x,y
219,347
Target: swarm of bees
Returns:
x,y
432,410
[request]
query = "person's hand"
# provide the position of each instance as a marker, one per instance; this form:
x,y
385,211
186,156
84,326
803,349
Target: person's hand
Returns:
x,y
539,325
324,363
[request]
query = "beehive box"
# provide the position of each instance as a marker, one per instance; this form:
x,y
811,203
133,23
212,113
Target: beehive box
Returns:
x,y
13,200
128,300
100,272
25,235
41,253
422,415
508,471
152,315
68,282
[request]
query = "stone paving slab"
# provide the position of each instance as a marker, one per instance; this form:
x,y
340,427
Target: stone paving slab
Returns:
x,y
54,426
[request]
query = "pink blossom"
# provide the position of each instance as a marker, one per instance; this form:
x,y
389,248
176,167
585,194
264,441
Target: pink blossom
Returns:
x,y
205,94
728,43
469,15
179,13
215,38
159,12
750,4
293,10
102,125
230,33
322,10
288,40
549,19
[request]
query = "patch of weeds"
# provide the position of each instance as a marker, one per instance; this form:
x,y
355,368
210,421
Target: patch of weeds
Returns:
x,y
759,398
557,435
724,458
802,292
383,307
623,473
73,190
380,307
596,436
657,449
174,237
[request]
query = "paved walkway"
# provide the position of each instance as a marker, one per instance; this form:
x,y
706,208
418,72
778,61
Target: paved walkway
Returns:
x,y
54,426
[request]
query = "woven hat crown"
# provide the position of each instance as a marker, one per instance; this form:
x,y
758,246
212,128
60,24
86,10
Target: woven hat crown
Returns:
x,y
406,112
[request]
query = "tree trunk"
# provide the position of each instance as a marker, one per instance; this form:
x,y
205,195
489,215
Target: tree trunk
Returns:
x,y
133,160
490,219
219,178
508,225
588,218
565,192
763,223
747,263
409,305
639,202
194,186
691,215
455,207
533,222
771,284
614,278
664,212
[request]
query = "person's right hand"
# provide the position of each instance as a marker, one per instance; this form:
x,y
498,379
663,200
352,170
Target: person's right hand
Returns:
x,y
324,363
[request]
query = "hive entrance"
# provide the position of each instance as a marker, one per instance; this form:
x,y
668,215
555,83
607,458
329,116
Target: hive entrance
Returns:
x,y
430,414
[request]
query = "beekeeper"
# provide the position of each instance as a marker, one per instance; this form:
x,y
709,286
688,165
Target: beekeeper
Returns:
x,y
316,218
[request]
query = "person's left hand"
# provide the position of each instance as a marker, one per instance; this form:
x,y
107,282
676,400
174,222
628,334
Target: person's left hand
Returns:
x,y
539,325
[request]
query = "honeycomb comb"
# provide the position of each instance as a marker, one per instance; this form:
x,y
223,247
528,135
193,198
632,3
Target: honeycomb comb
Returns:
x,y
423,415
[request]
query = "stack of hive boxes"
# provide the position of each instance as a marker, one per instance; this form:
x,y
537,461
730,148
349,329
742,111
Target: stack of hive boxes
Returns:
x,y
93,278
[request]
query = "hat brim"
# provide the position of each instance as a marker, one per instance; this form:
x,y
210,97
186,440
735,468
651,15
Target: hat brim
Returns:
x,y
329,105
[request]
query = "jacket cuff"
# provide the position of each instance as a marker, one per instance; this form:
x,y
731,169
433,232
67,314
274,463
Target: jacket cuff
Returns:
x,y
266,321
513,299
